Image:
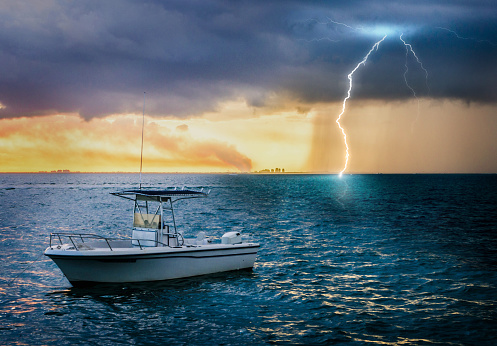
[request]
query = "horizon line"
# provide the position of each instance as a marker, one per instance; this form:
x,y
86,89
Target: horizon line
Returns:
x,y
237,173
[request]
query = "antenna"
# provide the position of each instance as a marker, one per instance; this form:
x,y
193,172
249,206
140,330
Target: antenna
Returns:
x,y
141,154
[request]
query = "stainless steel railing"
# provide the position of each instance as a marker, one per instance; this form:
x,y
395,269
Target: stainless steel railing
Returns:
x,y
74,237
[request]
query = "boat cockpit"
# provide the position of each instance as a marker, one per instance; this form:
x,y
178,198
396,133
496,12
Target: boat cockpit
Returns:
x,y
154,224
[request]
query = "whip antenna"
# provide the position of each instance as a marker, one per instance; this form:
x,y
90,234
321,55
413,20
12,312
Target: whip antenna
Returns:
x,y
141,153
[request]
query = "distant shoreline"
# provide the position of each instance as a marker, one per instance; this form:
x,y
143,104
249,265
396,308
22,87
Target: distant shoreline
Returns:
x,y
255,173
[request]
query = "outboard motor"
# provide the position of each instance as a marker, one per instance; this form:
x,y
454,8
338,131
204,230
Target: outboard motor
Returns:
x,y
231,238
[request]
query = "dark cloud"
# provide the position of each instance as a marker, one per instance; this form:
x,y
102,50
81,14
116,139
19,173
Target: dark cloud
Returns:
x,y
97,57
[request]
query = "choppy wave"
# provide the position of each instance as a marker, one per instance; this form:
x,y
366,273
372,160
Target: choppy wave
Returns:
x,y
378,259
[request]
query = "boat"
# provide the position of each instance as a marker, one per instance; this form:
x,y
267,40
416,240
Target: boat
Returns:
x,y
156,250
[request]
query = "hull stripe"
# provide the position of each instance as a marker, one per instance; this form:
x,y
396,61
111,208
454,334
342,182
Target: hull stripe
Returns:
x,y
134,258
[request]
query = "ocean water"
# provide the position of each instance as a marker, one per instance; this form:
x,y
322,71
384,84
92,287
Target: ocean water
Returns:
x,y
362,259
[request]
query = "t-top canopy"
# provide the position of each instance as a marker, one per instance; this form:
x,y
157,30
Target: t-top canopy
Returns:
x,y
161,195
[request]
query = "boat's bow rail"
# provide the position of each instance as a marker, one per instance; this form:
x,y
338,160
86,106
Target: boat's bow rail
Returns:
x,y
89,241
76,239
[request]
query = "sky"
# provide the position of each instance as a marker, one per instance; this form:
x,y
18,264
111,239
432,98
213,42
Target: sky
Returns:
x,y
242,86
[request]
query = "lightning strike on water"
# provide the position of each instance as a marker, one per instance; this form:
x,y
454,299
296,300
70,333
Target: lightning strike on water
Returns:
x,y
386,30
363,62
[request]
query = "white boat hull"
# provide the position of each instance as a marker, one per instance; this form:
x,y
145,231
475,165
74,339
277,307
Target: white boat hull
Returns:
x,y
121,265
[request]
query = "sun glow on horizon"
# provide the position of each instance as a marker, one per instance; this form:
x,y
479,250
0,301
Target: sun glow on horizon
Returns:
x,y
217,142
238,138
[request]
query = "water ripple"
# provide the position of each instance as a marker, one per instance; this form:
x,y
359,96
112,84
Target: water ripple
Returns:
x,y
388,260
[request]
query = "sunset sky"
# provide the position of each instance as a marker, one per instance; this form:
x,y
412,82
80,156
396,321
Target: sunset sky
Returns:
x,y
242,86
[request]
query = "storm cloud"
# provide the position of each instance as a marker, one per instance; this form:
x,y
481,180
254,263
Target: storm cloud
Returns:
x,y
96,58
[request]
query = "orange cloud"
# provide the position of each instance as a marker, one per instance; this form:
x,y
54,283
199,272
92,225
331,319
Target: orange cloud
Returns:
x,y
109,144
184,147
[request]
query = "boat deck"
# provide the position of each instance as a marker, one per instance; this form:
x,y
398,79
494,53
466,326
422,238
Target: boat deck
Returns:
x,y
91,245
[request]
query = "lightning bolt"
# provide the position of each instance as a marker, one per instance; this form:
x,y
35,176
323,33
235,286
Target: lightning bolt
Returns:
x,y
343,24
320,39
407,68
363,62
386,31
466,38
327,23
332,21
410,49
